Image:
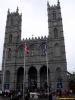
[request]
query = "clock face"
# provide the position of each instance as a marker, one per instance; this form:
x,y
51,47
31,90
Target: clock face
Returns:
x,y
55,23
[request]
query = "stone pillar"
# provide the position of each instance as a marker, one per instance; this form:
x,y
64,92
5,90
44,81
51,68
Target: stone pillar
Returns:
x,y
15,79
38,79
26,79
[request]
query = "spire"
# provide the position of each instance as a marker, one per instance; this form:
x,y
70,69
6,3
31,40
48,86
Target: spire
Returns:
x,y
48,4
58,3
17,9
8,11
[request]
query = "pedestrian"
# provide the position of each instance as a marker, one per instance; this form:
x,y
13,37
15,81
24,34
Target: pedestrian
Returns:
x,y
35,97
54,96
50,96
26,97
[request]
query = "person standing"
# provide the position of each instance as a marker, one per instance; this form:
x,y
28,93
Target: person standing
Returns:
x,y
50,96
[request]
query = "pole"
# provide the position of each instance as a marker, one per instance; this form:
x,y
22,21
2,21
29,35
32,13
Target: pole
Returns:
x,y
47,68
24,73
4,69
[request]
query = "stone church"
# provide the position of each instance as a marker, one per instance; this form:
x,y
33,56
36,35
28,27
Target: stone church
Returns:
x,y
44,66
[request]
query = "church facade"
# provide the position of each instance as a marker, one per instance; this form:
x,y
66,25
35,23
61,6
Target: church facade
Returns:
x,y
44,66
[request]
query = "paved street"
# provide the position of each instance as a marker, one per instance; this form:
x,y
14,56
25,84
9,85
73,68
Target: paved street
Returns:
x,y
4,98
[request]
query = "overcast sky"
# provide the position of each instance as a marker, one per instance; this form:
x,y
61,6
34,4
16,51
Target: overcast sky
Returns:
x,y
34,22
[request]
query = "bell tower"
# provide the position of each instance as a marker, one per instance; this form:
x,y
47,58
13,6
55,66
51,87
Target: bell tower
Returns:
x,y
12,39
55,21
13,27
57,55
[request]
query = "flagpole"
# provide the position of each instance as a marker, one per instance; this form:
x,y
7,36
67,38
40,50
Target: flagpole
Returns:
x,y
47,69
24,73
4,69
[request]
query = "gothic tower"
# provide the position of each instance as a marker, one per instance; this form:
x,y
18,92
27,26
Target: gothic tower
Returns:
x,y
57,57
12,38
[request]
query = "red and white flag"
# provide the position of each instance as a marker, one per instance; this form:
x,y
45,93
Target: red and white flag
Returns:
x,y
26,49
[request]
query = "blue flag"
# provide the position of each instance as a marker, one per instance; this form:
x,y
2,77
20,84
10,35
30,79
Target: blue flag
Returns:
x,y
44,49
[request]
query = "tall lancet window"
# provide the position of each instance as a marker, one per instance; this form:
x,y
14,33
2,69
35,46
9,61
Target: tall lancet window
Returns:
x,y
7,76
55,33
10,38
59,78
7,79
17,39
54,15
12,20
9,53
56,50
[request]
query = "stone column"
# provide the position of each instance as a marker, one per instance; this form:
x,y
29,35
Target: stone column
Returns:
x,y
26,79
38,79
53,83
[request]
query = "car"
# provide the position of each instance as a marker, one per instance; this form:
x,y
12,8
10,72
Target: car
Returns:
x,y
34,95
7,90
0,92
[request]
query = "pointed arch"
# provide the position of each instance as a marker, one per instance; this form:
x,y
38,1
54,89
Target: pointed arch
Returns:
x,y
43,77
20,75
32,78
55,33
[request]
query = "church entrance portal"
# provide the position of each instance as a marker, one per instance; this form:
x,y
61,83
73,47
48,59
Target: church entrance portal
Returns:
x,y
20,73
32,79
43,78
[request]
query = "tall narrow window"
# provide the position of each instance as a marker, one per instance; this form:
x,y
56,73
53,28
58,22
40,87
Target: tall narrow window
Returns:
x,y
7,76
9,53
10,38
54,15
11,20
17,39
59,78
7,79
56,50
55,33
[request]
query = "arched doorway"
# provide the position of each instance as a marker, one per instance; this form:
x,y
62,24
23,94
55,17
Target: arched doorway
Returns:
x,y
32,79
7,80
43,78
58,78
20,74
